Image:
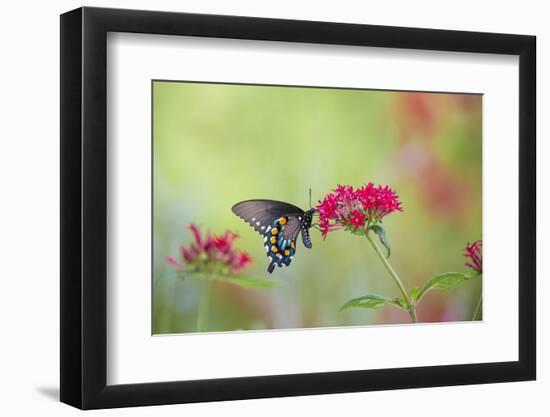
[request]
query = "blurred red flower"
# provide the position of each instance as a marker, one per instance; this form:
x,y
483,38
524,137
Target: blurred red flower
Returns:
x,y
212,254
475,255
349,208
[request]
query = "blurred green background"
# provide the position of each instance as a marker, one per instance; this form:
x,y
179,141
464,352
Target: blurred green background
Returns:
x,y
215,145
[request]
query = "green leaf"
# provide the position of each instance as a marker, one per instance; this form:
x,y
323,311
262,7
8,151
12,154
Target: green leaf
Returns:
x,y
373,301
381,232
472,274
446,281
414,293
249,282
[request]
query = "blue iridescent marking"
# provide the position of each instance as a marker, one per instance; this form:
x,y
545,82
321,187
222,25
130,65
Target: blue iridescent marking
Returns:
x,y
279,257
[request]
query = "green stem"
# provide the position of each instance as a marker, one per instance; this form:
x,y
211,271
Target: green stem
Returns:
x,y
477,312
412,313
410,307
202,317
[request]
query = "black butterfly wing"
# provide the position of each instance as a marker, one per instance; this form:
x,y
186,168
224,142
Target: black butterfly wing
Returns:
x,y
292,228
261,213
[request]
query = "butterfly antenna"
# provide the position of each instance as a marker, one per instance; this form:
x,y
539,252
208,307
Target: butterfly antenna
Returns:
x,y
310,198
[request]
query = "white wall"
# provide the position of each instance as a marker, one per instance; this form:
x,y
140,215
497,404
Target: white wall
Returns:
x,y
29,176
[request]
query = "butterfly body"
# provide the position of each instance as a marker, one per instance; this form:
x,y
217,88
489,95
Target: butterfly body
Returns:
x,y
279,223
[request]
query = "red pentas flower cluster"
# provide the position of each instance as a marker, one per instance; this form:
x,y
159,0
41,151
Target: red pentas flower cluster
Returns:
x,y
475,255
352,209
212,254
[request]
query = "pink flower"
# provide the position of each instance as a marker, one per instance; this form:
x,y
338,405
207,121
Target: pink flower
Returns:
x,y
212,254
349,208
172,261
475,255
197,234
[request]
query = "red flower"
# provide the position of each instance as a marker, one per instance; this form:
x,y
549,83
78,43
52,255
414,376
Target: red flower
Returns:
x,y
213,254
357,219
475,253
349,208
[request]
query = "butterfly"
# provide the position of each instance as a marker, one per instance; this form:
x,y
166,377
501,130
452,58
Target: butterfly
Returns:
x,y
279,223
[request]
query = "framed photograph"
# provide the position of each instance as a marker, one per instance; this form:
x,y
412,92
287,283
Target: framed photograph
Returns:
x,y
256,208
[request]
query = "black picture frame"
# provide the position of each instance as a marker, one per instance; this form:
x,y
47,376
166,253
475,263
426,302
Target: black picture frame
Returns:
x,y
84,207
